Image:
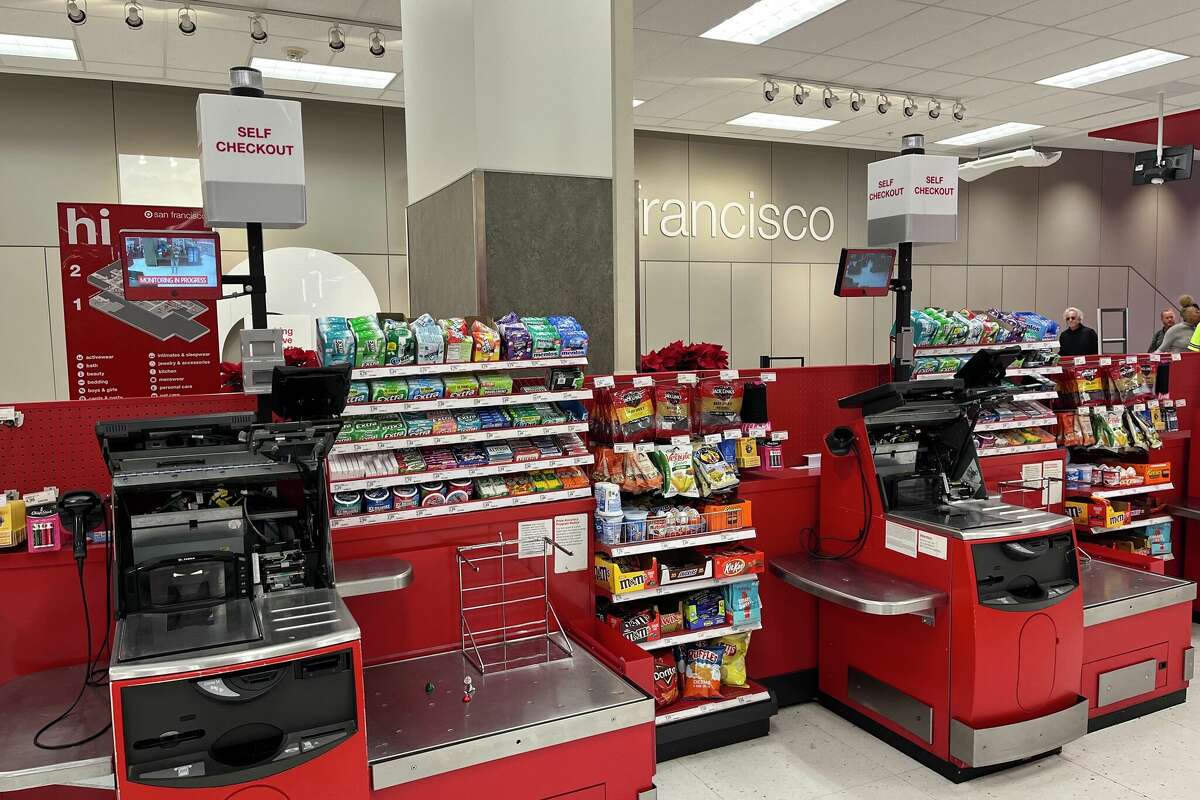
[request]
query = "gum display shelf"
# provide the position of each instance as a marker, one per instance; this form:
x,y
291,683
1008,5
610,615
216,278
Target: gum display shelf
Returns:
x,y
364,373
1077,490
965,349
698,636
675,542
1019,448
1016,423
366,409
1040,394
731,698
672,588
1052,369
380,517
1137,523
494,435
510,468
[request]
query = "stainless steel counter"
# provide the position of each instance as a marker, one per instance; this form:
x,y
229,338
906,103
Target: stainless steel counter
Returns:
x,y
28,703
852,585
1017,520
372,575
1112,592
290,622
412,734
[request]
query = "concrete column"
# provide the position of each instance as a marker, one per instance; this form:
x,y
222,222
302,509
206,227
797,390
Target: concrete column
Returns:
x,y
510,137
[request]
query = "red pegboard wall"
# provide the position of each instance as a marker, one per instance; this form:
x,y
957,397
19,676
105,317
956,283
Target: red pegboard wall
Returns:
x,y
56,445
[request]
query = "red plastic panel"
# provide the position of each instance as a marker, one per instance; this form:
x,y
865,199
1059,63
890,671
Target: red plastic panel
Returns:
x,y
1035,664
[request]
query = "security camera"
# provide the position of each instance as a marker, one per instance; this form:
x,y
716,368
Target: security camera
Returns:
x,y
856,99
770,90
960,111
828,98
910,107
935,109
799,94
882,103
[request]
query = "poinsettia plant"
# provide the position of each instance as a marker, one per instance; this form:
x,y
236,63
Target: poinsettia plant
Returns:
x,y
678,356
231,371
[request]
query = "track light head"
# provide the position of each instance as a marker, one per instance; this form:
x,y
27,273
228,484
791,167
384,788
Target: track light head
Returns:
x,y
856,100
770,90
800,93
935,109
187,21
375,44
883,103
258,29
337,39
135,18
960,111
76,12
910,107
828,98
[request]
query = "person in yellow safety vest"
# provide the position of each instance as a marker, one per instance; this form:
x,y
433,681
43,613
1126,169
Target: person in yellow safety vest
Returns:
x,y
1194,344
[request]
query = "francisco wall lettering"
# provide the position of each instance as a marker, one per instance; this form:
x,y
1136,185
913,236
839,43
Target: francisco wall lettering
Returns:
x,y
736,220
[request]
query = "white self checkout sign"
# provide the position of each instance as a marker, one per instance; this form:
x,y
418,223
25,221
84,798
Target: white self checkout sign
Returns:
x,y
251,160
912,198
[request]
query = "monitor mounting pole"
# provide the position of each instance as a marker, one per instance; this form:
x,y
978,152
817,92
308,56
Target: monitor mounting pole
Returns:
x,y
902,355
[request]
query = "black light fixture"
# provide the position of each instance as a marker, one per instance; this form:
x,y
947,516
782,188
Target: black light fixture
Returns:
x,y
76,12
135,18
375,44
337,39
960,111
883,103
770,90
856,100
935,109
187,21
828,98
258,29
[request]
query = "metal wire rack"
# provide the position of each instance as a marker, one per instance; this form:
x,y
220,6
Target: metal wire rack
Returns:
x,y
507,619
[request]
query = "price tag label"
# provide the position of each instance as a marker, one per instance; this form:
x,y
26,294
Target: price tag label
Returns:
x,y
728,374
779,436
644,447
732,433
1181,402
766,377
642,381
1152,403
1118,409
603,382
1130,359
756,431
1104,362
623,447
1139,406
1176,356
681,440
712,438
1078,361
686,378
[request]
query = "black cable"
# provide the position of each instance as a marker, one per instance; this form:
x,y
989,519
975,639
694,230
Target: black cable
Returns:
x,y
859,541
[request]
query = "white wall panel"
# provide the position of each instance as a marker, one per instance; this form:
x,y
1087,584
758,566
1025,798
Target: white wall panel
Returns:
x,y
375,268
57,334
1113,284
667,309
30,375
1019,292
948,286
751,314
920,291
885,313
1144,306
1083,289
985,287
790,310
860,330
711,302
828,318
398,279
1050,297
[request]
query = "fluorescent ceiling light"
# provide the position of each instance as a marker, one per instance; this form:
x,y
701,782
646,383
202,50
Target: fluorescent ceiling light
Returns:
x,y
767,19
988,134
637,102
759,119
37,47
322,73
1113,68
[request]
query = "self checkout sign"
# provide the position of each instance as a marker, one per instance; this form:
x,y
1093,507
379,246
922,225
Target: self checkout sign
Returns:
x,y
251,161
912,198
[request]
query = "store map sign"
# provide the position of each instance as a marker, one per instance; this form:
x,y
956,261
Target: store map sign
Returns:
x,y
912,198
251,160
125,348
746,220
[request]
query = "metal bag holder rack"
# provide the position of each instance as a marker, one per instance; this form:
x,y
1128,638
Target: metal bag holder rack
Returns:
x,y
532,639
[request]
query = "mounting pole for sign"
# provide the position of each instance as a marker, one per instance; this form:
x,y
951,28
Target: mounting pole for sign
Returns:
x,y
902,358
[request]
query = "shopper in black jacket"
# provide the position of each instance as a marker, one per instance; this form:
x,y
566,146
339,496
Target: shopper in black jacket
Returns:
x,y
1077,339
1168,319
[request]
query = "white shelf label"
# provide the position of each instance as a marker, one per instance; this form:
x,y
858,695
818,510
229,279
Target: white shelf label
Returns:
x,y
766,377
681,440
712,438
603,382
1104,362
1152,403
756,431
1181,402
1176,356
1139,406
732,433
642,381
1130,359
779,436
1078,361
644,447
686,378
623,447
728,374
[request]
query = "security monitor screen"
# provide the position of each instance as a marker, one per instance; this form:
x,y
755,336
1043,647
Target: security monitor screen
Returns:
x,y
864,273
175,265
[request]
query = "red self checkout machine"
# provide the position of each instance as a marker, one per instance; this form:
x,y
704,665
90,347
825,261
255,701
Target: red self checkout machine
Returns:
x,y
955,626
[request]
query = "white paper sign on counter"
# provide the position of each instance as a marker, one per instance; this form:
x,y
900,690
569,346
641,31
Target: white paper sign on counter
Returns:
x,y
931,544
570,531
532,535
900,538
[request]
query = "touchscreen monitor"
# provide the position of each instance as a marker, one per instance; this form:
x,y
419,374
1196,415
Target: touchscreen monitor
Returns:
x,y
171,265
864,273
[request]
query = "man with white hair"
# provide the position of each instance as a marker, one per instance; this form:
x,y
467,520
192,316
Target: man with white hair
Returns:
x,y
1077,339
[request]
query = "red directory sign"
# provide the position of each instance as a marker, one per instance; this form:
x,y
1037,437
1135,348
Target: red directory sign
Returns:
x,y
124,348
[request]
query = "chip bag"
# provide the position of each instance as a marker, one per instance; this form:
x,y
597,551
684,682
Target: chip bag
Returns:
x,y
733,664
666,679
702,671
679,476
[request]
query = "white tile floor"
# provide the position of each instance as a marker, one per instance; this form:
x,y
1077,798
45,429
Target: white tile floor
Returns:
x,y
812,753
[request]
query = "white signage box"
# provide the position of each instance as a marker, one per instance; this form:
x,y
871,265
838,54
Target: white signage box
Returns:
x,y
251,161
912,198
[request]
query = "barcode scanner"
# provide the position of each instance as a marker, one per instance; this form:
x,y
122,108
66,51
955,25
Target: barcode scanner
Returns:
x,y
81,512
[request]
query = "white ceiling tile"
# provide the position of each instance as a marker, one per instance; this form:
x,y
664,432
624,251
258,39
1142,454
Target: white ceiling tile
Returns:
x,y
1079,116
728,84
687,124
1188,47
109,40
1054,12
209,49
1009,101
843,23
1157,34
649,46
933,81
642,6
647,90
827,68
645,120
926,25
983,6
689,17
980,36
1023,50
979,87
734,105
126,70
1130,114
380,12
36,23
679,100
696,58
883,76
1127,15
1067,59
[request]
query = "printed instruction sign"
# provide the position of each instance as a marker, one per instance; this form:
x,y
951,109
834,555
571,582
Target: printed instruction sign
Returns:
x,y
532,535
570,533
900,538
129,348
931,544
